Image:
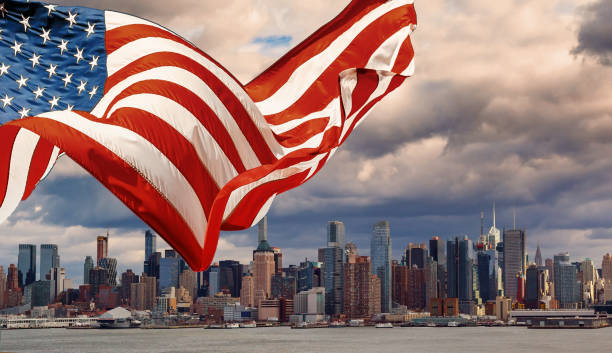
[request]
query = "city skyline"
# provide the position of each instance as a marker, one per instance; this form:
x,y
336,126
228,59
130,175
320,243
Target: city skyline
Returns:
x,y
440,150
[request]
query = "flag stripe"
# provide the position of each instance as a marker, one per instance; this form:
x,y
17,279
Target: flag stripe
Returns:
x,y
38,166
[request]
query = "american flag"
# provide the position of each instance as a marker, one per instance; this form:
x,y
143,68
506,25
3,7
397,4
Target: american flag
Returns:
x,y
170,132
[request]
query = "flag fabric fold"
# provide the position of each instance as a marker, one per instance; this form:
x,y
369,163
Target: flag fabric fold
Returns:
x,y
181,142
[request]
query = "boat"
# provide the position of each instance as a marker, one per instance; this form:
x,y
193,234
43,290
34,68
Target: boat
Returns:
x,y
384,325
250,324
431,324
215,327
356,323
232,325
337,324
453,324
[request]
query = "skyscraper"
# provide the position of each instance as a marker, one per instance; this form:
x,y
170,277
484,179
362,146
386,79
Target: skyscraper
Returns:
x,y
49,258
494,233
359,299
110,264
3,288
102,248
26,264
606,267
263,265
532,287
460,275
567,289
538,257
436,251
514,259
380,251
87,266
127,278
230,277
168,272
150,249
334,268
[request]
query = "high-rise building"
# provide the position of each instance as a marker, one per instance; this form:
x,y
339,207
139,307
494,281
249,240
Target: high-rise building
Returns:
x,y
359,299
380,252
489,274
26,264
168,272
98,276
263,269
311,302
150,249
589,272
49,258
436,251
460,276
230,277
494,233
150,291
283,286
334,268
110,264
137,296
87,266
187,280
127,279
567,288
247,293
102,248
606,267
12,278
57,276
418,256
3,289
538,257
154,263
278,260
532,287
514,259
213,280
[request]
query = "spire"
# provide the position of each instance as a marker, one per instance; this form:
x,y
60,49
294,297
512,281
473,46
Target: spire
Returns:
x,y
514,217
263,229
482,222
493,214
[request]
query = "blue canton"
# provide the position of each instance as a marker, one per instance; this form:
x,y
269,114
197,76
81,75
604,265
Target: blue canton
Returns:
x,y
51,58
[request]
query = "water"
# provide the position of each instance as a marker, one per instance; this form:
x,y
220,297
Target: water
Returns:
x,y
283,339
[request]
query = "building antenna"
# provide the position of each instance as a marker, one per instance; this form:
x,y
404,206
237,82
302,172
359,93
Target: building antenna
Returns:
x,y
514,217
481,222
493,214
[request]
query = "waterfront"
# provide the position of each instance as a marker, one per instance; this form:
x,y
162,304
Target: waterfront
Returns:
x,y
283,339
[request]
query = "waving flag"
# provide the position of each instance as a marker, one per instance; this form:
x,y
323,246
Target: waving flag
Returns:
x,y
174,135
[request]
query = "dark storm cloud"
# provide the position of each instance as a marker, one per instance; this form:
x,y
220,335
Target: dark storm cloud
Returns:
x,y
595,34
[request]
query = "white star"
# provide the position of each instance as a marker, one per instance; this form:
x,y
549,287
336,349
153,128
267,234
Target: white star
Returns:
x,y
51,70
54,102
1,33
24,112
17,48
67,79
39,92
22,81
63,47
81,87
35,59
45,35
25,22
4,69
6,101
69,107
90,29
93,92
51,8
71,18
94,62
79,54
2,10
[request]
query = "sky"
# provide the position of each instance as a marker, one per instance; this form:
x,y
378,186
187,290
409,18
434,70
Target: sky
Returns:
x,y
510,104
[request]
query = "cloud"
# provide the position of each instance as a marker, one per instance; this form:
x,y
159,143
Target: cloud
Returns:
x,y
594,37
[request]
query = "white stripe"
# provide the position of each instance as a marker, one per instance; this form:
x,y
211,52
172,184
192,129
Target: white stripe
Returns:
x,y
263,210
385,56
292,124
384,80
193,83
410,69
348,82
238,194
21,156
186,124
305,76
147,46
117,19
148,161
54,157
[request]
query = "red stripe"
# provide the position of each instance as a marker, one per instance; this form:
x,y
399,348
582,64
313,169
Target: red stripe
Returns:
x,y
262,87
396,81
229,99
38,166
356,55
172,145
196,106
7,139
404,57
118,37
367,82
123,181
302,133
